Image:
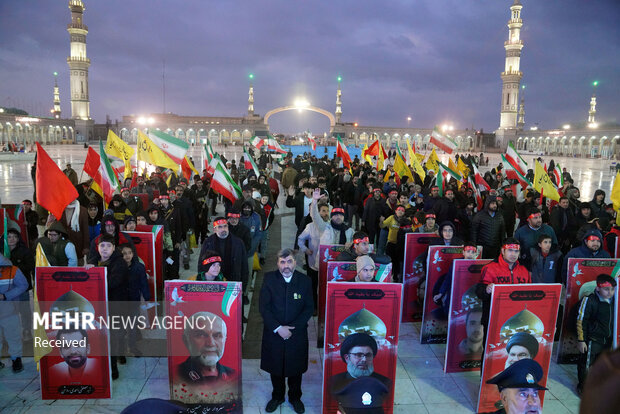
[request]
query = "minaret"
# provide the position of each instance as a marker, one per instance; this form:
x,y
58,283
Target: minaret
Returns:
x,y
511,76
78,62
592,111
339,101
251,97
56,110
521,121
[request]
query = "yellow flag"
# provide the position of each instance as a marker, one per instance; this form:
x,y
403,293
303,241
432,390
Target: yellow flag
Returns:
x,y
380,159
420,157
118,148
432,163
401,168
452,165
462,167
414,161
386,177
367,157
152,154
543,184
40,351
615,193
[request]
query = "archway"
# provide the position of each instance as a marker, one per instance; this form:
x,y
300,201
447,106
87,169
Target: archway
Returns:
x,y
329,115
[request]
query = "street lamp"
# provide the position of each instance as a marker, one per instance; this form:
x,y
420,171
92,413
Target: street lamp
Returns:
x,y
566,126
408,121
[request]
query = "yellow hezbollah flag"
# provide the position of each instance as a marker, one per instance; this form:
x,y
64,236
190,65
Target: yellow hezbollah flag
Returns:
x,y
420,157
386,178
615,193
152,154
118,148
462,167
366,157
432,163
543,184
401,168
40,351
414,161
452,165
380,159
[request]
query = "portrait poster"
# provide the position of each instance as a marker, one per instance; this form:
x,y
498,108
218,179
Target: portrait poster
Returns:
x,y
414,269
434,329
327,253
346,272
14,215
75,372
616,341
580,282
465,332
210,315
158,265
521,325
371,312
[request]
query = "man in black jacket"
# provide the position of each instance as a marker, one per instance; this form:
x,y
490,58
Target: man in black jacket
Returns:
x,y
301,203
564,224
172,211
286,306
239,229
445,208
231,250
488,229
509,210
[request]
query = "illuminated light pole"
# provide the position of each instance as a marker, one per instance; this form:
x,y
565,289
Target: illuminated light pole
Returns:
x,y
339,101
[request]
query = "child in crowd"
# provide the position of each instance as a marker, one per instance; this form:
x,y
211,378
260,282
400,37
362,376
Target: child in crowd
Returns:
x,y
595,325
137,287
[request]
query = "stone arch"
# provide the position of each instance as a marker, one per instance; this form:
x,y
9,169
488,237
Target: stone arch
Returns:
x,y
191,135
386,139
364,136
214,136
614,145
247,134
520,144
124,134
224,135
603,147
180,134
235,135
169,131
329,115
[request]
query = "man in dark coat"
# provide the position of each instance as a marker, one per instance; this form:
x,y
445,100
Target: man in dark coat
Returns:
x,y
286,305
445,208
488,229
231,250
374,212
509,210
564,224
591,248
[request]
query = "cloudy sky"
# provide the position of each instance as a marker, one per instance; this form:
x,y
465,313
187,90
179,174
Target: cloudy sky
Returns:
x,y
434,60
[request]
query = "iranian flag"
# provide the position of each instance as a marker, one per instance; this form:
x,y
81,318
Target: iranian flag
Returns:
x,y
273,145
343,153
442,177
173,147
223,183
256,142
209,155
517,163
477,194
105,176
511,171
249,162
559,177
312,142
443,142
479,179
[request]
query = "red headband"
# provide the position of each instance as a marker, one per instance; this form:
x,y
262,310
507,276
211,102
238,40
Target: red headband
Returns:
x,y
362,240
429,216
171,192
403,207
593,237
211,259
393,191
124,189
219,222
533,215
337,210
604,284
470,249
234,215
163,196
513,246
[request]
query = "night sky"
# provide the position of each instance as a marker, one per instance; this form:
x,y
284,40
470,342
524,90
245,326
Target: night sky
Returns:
x,y
437,61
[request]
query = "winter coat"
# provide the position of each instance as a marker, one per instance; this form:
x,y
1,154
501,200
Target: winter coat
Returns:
x,y
595,320
598,210
138,282
12,285
285,304
528,237
545,269
584,252
298,202
487,230
120,239
234,262
117,277
445,210
23,258
80,239
310,239
373,210
498,272
329,235
241,231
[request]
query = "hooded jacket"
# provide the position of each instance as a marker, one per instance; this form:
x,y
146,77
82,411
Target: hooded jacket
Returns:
x,y
61,253
488,230
584,252
440,241
598,210
12,285
253,223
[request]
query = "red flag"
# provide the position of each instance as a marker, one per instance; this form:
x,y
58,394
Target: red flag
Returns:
x,y
91,165
343,153
54,190
313,142
373,150
186,170
134,180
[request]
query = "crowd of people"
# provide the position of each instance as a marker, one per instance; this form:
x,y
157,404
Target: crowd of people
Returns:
x,y
529,237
